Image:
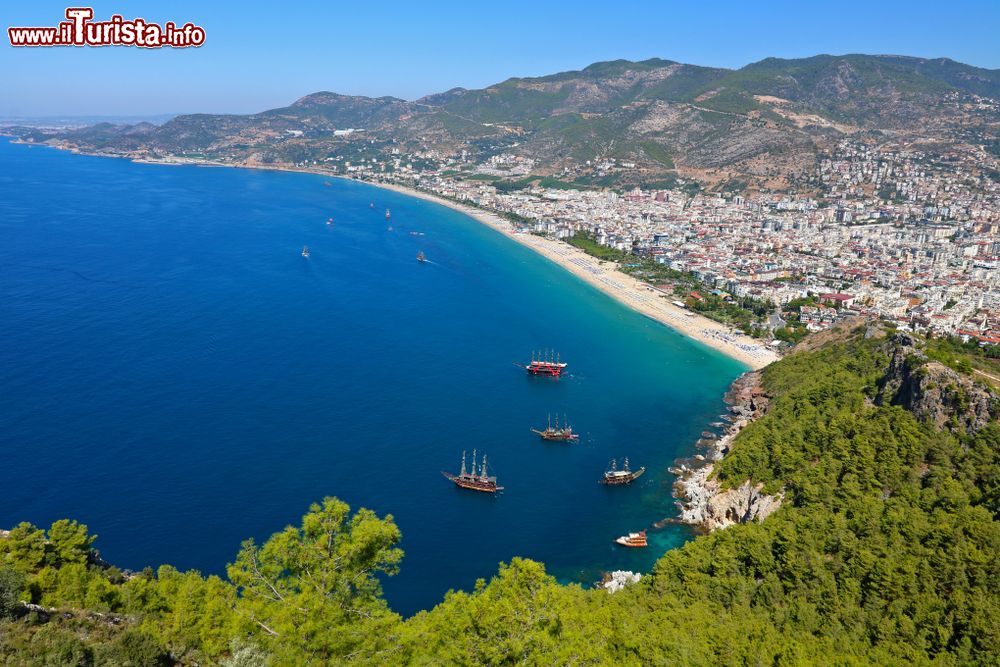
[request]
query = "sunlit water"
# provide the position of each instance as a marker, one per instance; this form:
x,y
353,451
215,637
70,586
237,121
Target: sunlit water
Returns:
x,y
176,375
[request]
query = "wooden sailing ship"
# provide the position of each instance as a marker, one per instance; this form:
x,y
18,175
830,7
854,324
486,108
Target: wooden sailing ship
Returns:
x,y
616,477
557,433
470,479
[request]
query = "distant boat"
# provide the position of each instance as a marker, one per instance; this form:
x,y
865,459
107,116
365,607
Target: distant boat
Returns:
x,y
329,221
389,228
305,251
633,539
472,480
557,433
388,214
371,205
421,257
616,477
327,183
416,233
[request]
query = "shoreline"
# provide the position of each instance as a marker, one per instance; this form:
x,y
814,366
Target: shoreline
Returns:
x,y
605,276
600,274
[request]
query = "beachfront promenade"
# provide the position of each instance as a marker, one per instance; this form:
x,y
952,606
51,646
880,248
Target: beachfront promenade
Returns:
x,y
651,302
637,295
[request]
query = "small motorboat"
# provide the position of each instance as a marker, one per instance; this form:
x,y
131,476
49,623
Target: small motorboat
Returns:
x,y
634,540
305,251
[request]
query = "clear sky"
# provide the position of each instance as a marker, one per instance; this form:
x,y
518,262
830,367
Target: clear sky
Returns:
x,y
260,55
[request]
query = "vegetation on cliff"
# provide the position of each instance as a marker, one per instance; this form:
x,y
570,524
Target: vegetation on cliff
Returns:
x,y
884,551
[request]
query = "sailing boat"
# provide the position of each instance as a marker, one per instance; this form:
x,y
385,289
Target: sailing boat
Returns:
x,y
564,434
471,480
305,251
616,477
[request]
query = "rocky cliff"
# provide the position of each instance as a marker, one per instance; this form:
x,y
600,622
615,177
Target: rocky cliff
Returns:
x,y
932,391
702,501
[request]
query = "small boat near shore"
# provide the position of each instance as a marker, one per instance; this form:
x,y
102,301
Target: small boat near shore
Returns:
x,y
633,540
472,480
616,477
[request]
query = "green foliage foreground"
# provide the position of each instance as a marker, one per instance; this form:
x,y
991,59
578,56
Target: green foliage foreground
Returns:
x,y
885,552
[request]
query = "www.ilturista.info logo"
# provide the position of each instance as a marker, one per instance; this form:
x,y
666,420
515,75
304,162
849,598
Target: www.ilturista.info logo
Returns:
x,y
80,30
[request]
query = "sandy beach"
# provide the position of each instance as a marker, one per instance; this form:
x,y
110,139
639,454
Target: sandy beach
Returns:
x,y
606,277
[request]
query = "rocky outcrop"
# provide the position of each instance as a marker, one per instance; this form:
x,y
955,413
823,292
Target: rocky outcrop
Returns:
x,y
619,579
932,391
709,507
701,500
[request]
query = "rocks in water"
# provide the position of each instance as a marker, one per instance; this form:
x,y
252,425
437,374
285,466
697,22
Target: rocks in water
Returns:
x,y
701,500
619,579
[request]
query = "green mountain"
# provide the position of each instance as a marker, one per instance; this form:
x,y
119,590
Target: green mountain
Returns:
x,y
765,121
885,448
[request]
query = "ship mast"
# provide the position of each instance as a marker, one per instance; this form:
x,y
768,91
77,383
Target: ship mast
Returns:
x,y
626,464
484,466
473,463
462,474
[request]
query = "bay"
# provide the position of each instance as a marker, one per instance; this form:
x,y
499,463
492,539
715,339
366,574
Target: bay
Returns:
x,y
176,375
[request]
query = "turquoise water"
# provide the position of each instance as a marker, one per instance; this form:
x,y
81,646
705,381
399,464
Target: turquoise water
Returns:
x,y
174,374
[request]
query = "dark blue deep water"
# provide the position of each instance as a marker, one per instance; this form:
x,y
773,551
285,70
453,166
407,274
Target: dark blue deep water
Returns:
x,y
175,375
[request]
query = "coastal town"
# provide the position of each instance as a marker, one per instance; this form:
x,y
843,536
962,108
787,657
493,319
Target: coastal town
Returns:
x,y
899,235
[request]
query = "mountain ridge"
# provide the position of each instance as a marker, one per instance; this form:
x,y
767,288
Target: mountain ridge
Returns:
x,y
765,122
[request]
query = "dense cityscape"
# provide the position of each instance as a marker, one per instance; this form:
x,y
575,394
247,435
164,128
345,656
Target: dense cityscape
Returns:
x,y
896,234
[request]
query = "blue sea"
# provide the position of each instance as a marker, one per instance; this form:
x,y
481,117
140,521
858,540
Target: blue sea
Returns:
x,y
174,374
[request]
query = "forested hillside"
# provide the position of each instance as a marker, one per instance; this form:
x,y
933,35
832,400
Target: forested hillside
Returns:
x,y
885,551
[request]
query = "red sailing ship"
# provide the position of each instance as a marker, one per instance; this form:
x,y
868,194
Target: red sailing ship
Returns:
x,y
545,363
471,480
